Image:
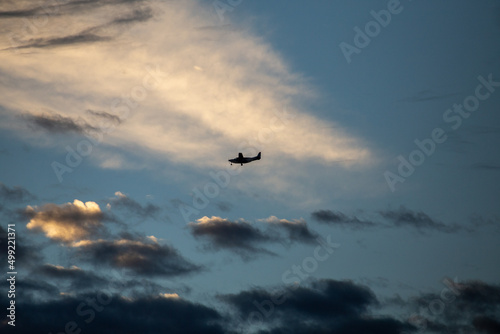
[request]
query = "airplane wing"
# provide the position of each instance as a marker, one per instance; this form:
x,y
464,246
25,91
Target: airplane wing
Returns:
x,y
240,155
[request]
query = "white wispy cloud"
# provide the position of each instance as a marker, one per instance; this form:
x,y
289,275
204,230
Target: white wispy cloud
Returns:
x,y
182,94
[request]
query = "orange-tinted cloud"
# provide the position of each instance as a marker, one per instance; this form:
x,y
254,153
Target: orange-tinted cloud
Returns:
x,y
67,222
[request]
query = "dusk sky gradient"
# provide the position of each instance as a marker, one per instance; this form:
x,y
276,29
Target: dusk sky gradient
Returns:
x,y
374,208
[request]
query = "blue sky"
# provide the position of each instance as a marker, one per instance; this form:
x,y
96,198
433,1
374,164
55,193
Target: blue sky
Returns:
x,y
117,121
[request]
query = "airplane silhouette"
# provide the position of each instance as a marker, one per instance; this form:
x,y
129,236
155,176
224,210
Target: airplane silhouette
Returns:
x,y
242,160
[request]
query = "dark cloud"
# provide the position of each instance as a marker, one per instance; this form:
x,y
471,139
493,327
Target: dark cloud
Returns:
x,y
138,255
246,239
135,12
29,289
20,12
78,278
401,218
92,34
238,236
133,207
15,194
421,221
347,326
487,325
79,38
480,297
74,280
318,306
297,230
343,307
137,15
66,7
27,253
56,123
141,286
105,115
327,216
340,219
224,206
326,306
322,299
478,221
101,312
458,308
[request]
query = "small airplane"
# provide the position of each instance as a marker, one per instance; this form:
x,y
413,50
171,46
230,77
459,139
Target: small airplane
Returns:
x,y
242,160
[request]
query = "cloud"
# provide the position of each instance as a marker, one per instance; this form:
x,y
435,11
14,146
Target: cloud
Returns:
x,y
106,30
480,296
224,206
15,194
79,38
133,207
101,312
238,236
139,255
105,115
459,308
67,222
339,219
78,278
89,35
380,325
421,221
325,306
151,83
297,229
29,290
330,306
479,221
19,13
320,306
56,123
245,239
27,253
323,299
137,15
487,325
400,218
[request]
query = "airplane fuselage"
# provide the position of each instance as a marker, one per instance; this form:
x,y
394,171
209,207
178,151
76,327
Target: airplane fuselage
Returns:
x,y
244,160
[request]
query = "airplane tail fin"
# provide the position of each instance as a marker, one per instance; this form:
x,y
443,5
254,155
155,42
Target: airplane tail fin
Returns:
x,y
258,156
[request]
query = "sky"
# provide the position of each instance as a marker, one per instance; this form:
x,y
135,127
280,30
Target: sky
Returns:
x,y
374,208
